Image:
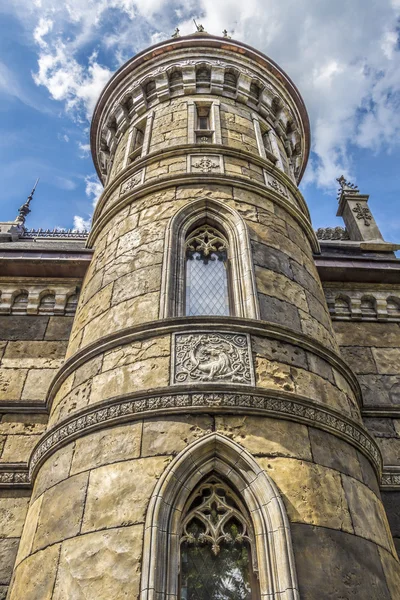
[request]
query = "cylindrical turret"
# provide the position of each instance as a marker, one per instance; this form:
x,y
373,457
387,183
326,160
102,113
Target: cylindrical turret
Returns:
x,y
202,357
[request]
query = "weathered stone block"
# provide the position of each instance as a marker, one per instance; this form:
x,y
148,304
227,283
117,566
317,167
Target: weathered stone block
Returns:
x,y
273,375
33,581
106,447
266,437
8,552
359,359
37,383
277,311
378,335
380,389
93,308
271,258
278,286
137,283
367,513
36,354
137,351
61,511
28,534
137,310
101,565
118,494
11,383
279,351
354,569
21,327
54,469
332,452
387,360
13,509
169,435
392,572
391,502
312,494
141,375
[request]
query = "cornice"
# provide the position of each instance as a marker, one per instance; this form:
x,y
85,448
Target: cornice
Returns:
x,y
183,324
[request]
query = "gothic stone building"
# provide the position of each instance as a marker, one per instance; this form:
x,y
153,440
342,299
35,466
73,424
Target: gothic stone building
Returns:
x,y
218,415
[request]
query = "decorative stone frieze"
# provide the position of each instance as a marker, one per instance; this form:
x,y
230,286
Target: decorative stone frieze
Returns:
x,y
211,357
276,185
14,476
332,233
182,401
391,478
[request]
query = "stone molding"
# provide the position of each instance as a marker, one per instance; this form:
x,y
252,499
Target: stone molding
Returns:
x,y
364,303
211,357
14,475
390,478
214,453
191,151
34,290
177,401
183,324
163,183
243,289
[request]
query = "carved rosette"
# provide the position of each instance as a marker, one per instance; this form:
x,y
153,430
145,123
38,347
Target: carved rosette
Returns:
x,y
211,357
132,182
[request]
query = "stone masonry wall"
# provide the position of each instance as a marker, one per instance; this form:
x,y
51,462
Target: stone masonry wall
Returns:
x,y
373,352
88,507
32,348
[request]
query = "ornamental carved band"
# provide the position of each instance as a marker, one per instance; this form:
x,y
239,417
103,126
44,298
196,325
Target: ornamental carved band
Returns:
x,y
209,356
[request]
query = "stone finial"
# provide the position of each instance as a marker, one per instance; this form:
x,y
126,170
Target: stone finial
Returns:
x,y
225,34
176,33
24,210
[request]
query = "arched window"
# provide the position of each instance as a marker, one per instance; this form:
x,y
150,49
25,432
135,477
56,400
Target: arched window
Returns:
x,y
206,272
189,263
195,514
217,546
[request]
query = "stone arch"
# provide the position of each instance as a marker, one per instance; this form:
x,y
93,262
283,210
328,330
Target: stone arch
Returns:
x,y
19,302
244,291
214,453
47,301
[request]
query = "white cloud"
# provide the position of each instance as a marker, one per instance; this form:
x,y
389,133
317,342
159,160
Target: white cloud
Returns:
x,y
93,190
343,56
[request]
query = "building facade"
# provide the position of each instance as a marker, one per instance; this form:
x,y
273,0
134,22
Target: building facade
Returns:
x,y
200,398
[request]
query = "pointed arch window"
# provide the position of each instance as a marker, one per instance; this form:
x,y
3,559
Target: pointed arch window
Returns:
x,y
207,286
217,546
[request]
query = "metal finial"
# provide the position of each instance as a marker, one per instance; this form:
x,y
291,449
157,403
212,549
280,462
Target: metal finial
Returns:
x,y
225,34
346,186
24,210
176,33
199,27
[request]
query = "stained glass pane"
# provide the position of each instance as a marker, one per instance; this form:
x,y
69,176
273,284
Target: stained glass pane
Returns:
x,y
206,576
206,284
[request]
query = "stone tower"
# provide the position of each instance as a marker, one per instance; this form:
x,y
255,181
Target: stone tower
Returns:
x,y
204,415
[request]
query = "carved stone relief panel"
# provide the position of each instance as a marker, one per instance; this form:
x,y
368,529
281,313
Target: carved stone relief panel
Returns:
x,y
276,185
212,163
211,357
132,182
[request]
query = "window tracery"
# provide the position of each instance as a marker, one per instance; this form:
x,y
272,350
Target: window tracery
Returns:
x,y
207,291
217,546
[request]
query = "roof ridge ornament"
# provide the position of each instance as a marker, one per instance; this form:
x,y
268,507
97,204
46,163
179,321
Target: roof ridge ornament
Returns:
x,y
24,210
176,33
346,187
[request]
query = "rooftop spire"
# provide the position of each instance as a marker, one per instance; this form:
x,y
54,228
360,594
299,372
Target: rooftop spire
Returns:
x,y
24,210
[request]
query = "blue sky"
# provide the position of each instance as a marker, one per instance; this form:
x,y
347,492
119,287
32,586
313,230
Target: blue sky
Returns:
x,y
56,56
